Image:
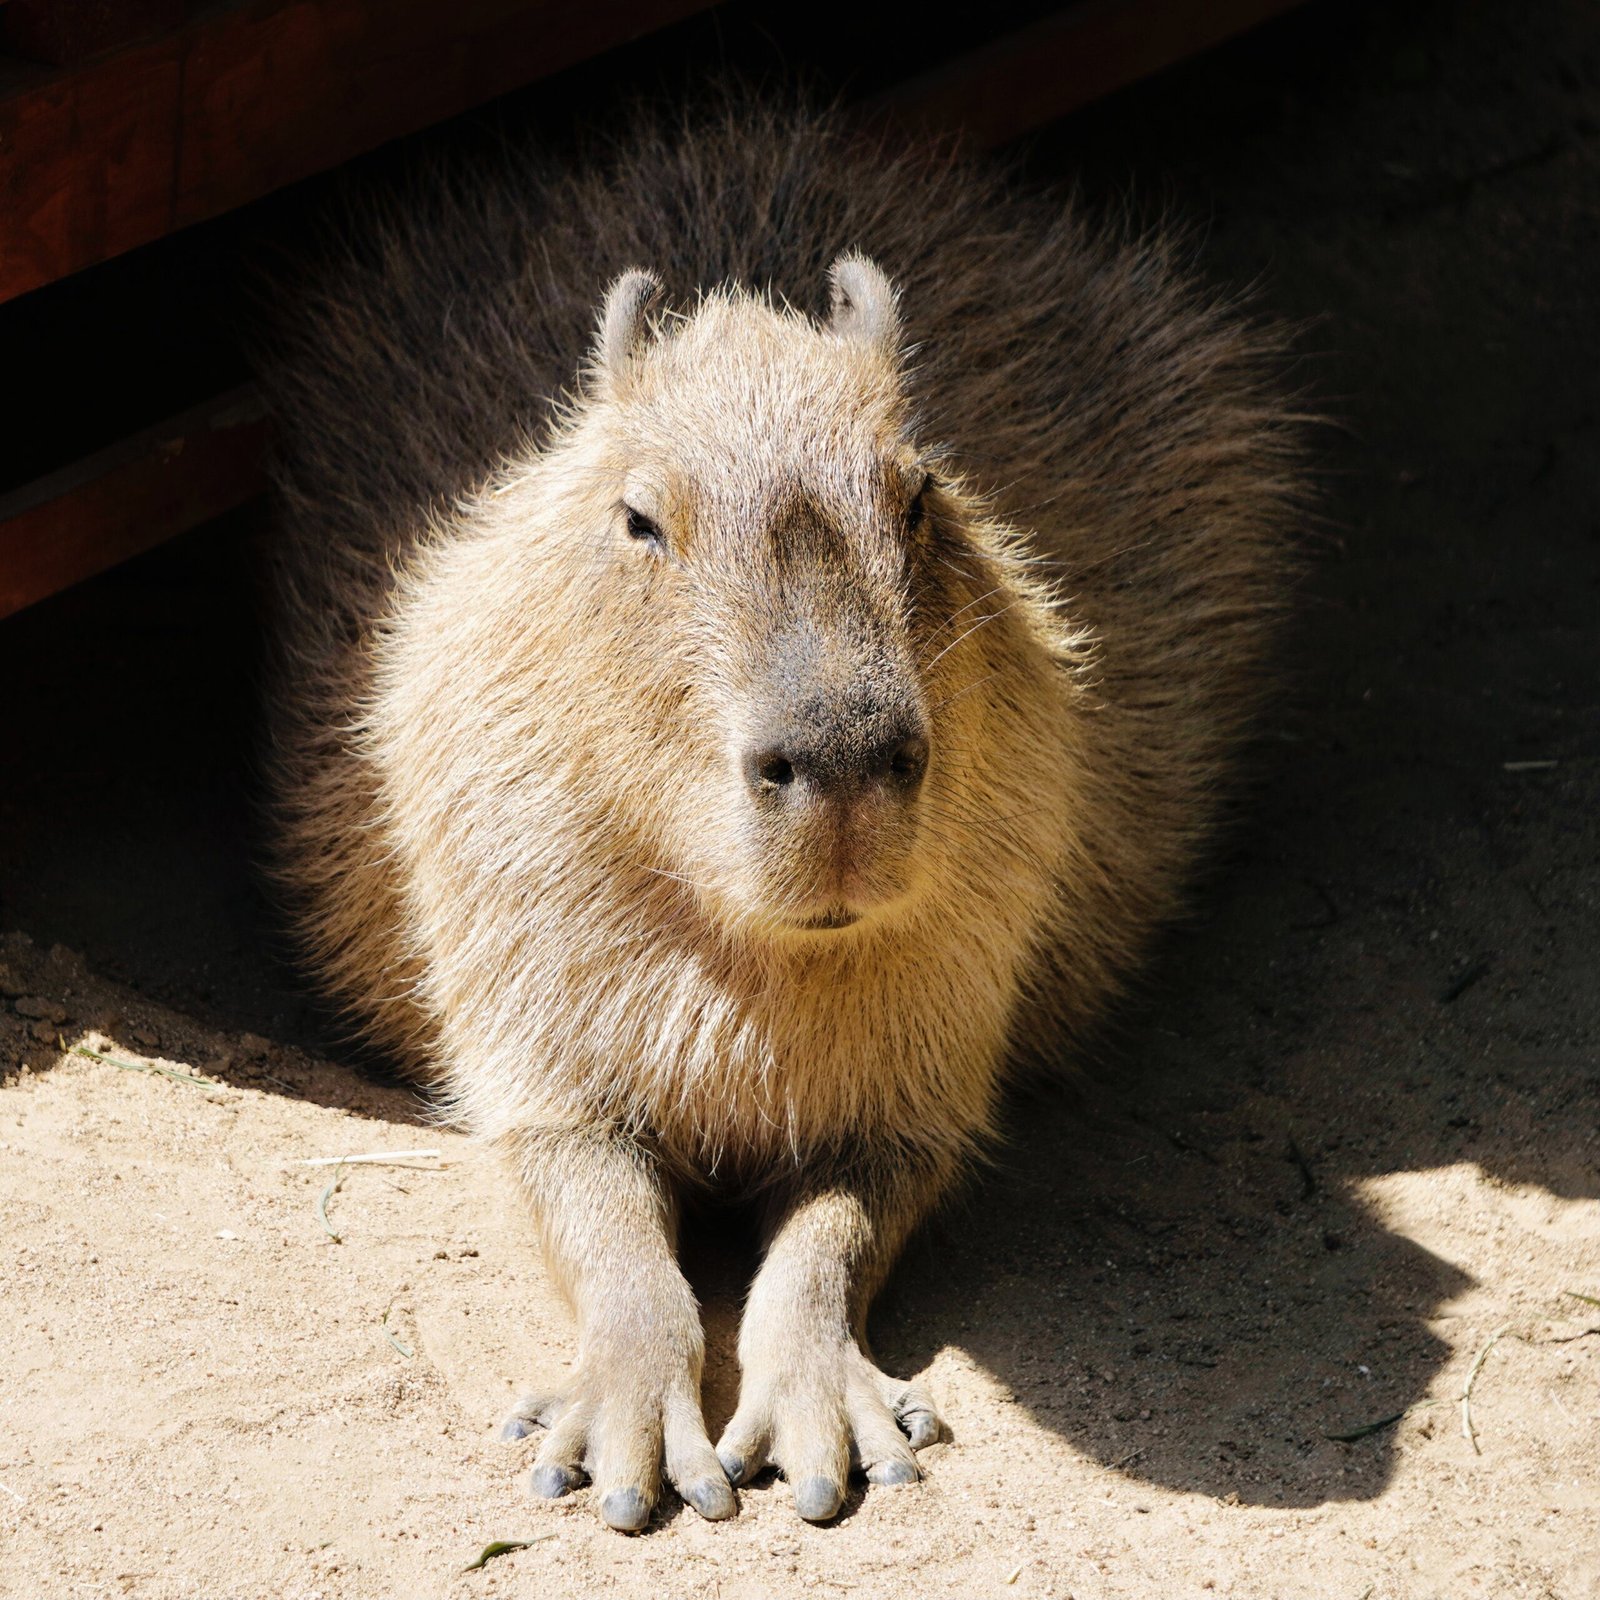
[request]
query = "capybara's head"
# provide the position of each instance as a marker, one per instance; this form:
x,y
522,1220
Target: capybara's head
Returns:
x,y
807,632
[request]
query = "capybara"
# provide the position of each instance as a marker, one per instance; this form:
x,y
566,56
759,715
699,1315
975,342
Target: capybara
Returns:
x,y
766,623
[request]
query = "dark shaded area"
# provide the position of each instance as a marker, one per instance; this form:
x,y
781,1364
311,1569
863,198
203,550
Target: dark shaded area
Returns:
x,y
1405,934
144,336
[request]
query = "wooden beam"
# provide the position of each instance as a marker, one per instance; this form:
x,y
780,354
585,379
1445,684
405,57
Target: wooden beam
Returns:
x,y
60,31
1061,63
98,512
246,97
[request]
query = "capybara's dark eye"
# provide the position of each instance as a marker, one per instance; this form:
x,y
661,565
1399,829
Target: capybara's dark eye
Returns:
x,y
641,527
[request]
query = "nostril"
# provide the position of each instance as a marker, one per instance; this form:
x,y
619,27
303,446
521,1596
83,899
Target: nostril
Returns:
x,y
769,769
909,760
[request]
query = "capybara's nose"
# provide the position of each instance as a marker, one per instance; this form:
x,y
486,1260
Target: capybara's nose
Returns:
x,y
794,766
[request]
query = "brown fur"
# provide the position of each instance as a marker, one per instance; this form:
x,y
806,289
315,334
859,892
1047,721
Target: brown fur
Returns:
x,y
515,819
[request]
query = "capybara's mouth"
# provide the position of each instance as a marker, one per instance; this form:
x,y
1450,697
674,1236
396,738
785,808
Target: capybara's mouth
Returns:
x,y
825,921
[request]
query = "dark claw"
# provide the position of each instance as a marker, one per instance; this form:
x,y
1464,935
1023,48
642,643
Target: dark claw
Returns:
x,y
712,1498
625,1509
733,1465
551,1482
818,1499
893,1472
514,1428
922,1427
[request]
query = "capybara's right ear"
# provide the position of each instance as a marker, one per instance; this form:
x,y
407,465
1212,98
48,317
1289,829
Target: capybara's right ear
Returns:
x,y
622,325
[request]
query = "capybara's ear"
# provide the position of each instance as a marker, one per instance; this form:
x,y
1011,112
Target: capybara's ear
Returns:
x,y
864,303
622,324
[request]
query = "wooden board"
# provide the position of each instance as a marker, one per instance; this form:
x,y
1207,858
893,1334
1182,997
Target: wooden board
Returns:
x,y
99,511
60,31
246,97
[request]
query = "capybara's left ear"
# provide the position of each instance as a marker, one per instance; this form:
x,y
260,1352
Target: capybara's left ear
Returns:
x,y
864,303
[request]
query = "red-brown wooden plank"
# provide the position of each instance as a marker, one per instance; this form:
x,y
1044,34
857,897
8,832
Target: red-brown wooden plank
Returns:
x,y
107,507
247,97
59,31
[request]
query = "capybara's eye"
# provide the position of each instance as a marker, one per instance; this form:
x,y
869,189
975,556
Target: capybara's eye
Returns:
x,y
641,527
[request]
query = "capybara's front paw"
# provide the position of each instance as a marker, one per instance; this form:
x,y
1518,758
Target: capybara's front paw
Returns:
x,y
623,1433
819,1413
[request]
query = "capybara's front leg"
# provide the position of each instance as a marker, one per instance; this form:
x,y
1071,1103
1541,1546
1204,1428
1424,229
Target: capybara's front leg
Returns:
x,y
811,1401
631,1411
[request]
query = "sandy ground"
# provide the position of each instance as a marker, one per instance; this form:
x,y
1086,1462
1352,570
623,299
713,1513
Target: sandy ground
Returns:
x,y
1342,1152
206,1394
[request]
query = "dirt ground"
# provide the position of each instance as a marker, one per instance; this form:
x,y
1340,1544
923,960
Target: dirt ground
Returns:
x,y
1341,1161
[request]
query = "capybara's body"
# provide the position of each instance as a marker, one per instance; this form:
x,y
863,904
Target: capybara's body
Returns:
x,y
712,749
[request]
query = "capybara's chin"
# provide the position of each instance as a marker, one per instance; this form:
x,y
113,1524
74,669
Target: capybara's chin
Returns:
x,y
832,884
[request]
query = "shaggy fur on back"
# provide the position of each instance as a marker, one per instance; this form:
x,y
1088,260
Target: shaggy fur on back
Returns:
x,y
499,805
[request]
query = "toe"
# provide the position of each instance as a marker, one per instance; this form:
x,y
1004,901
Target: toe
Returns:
x,y
559,1464
811,1440
625,1464
693,1467
742,1450
551,1481
914,1410
879,1446
538,1410
625,1509
818,1498
711,1497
